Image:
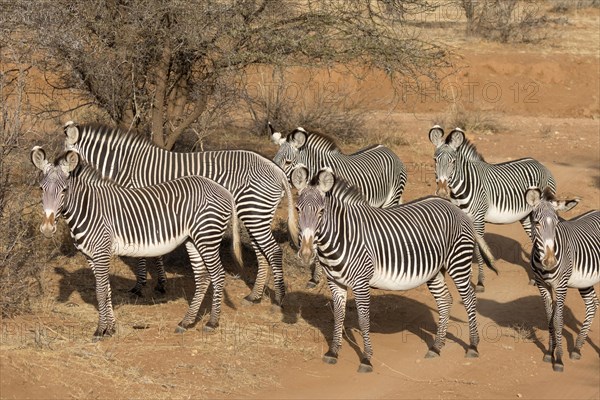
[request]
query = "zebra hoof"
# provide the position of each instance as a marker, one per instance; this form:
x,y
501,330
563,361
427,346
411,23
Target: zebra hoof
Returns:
x,y
249,301
365,366
180,329
432,353
479,288
472,352
96,339
311,284
136,291
575,355
558,367
547,357
330,358
160,289
209,327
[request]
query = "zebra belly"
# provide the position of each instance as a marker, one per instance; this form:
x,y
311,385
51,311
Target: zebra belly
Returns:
x,y
386,281
126,248
580,281
497,216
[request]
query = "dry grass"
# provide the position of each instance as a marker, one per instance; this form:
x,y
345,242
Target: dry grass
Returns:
x,y
479,121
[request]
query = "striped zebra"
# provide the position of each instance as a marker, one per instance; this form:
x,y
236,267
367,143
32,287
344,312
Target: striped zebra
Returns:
x,y
396,248
106,219
564,254
376,171
486,192
256,183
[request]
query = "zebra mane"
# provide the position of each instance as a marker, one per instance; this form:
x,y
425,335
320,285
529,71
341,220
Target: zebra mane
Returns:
x,y
116,133
468,150
91,176
321,138
347,193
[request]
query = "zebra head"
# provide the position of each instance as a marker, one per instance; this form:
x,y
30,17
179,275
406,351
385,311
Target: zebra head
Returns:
x,y
445,157
544,221
287,156
54,184
310,205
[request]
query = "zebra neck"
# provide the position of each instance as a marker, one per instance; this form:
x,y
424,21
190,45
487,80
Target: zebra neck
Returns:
x,y
465,180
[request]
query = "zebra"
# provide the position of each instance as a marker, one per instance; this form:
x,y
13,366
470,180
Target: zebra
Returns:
x,y
396,248
257,185
107,219
564,254
486,192
376,170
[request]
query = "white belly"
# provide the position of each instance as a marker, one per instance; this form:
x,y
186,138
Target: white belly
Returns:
x,y
495,216
580,281
381,280
121,248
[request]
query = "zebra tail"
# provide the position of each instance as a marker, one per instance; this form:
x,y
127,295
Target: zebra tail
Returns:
x,y
292,223
236,236
485,251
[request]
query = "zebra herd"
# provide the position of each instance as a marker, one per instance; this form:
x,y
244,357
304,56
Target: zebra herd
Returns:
x,y
122,195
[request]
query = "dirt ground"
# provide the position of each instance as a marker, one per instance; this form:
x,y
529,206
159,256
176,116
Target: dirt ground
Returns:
x,y
257,353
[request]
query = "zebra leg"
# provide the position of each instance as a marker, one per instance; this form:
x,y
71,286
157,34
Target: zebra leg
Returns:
x,y
212,260
201,280
479,225
549,306
106,321
561,293
362,296
591,306
140,278
467,295
316,275
338,297
438,288
269,253
161,285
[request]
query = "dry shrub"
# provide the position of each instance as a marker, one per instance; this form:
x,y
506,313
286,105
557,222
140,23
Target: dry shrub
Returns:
x,y
331,110
562,6
505,21
468,120
20,266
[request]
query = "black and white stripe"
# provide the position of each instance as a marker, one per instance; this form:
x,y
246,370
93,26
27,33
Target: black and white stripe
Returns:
x,y
486,192
256,183
396,248
106,219
376,170
564,254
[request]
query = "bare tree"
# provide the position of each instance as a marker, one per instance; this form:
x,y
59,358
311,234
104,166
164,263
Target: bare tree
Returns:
x,y
159,65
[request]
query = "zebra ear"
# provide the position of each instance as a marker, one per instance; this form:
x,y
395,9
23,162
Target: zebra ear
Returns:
x,y
326,180
435,135
456,138
71,132
300,177
69,161
275,136
299,136
565,205
533,197
38,158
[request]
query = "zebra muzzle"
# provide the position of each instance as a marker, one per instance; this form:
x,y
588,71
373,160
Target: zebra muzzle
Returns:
x,y
442,189
48,226
306,252
549,260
